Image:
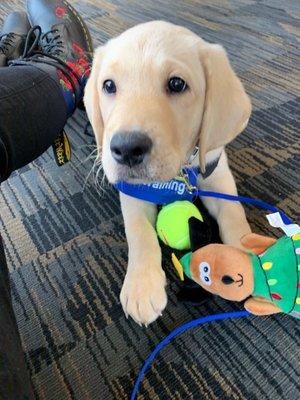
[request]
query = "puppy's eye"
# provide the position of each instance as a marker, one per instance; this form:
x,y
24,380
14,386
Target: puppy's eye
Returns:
x,y
109,86
176,85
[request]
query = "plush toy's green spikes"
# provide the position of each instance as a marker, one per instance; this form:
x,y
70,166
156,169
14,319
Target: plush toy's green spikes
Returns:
x,y
185,261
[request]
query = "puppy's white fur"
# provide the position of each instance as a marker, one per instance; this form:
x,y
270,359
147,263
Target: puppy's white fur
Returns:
x,y
213,111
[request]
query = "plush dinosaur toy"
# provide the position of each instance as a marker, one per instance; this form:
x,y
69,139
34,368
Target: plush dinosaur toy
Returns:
x,y
267,277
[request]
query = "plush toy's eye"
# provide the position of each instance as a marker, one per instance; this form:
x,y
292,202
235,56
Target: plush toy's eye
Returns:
x,y
204,270
206,280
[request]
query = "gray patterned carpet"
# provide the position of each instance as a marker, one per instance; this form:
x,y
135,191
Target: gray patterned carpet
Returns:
x,y
67,254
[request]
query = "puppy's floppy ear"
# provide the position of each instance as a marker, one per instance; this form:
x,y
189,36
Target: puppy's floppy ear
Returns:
x,y
227,107
91,97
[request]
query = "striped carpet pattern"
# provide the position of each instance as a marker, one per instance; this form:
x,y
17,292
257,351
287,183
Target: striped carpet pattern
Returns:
x,y
67,253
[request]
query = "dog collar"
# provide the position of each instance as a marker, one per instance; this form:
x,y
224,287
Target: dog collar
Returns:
x,y
182,187
179,188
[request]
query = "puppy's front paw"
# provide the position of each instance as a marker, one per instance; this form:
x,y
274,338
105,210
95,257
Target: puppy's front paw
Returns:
x,y
143,294
233,228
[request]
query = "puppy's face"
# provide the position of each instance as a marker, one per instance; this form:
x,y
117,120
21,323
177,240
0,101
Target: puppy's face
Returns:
x,y
151,102
146,99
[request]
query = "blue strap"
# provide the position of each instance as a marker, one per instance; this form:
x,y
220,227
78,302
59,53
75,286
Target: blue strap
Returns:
x,y
176,189
157,193
176,332
243,199
162,192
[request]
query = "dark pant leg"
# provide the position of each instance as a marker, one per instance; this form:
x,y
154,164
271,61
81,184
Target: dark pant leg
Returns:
x,y
32,114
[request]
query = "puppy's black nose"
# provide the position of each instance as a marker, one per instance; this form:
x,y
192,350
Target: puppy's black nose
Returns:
x,y
227,280
130,148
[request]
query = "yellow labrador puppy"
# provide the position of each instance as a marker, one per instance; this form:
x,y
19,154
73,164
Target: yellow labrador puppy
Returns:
x,y
155,92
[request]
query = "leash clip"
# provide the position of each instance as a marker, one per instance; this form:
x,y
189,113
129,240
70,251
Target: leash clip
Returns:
x,y
185,177
193,155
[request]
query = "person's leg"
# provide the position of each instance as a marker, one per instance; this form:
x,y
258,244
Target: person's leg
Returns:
x,y
43,87
32,113
37,95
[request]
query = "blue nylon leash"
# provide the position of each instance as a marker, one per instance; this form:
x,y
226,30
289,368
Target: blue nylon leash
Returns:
x,y
176,189
178,331
246,200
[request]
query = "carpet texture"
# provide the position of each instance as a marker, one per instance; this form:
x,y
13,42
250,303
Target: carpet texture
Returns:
x,y
67,253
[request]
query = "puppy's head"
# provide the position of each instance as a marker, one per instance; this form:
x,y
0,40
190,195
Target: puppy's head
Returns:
x,y
155,92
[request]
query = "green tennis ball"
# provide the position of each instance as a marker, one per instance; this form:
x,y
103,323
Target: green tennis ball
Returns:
x,y
172,224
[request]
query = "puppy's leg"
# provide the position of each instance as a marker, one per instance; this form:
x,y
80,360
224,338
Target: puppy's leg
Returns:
x,y
230,215
143,294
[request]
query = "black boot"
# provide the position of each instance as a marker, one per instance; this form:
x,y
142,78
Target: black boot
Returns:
x,y
13,36
65,47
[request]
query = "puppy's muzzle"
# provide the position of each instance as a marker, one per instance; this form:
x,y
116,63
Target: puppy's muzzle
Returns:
x,y
130,148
